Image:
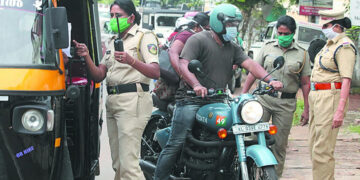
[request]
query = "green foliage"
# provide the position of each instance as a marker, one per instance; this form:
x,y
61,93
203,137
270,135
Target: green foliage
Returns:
x,y
353,34
355,90
298,112
106,1
354,129
249,4
191,3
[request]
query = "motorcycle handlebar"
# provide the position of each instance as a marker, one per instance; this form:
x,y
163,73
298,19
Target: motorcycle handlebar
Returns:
x,y
265,89
211,92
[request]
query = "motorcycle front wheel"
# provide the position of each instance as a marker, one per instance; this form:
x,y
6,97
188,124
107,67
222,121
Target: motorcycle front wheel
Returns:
x,y
261,173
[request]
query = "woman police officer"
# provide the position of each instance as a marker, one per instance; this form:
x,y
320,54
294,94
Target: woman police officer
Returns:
x,y
328,98
129,104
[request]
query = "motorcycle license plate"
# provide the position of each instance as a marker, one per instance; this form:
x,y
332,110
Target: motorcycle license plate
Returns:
x,y
241,129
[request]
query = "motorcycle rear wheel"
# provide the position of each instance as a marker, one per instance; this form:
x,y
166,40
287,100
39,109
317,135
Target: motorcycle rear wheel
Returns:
x,y
261,173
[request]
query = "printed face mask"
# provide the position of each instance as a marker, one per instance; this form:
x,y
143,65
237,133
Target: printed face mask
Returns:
x,y
123,24
330,33
285,41
231,33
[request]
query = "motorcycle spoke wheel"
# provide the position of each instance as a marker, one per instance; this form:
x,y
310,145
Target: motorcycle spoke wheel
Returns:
x,y
261,173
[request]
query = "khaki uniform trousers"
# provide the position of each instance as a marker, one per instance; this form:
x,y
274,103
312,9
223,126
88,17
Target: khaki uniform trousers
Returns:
x,y
322,106
127,115
281,111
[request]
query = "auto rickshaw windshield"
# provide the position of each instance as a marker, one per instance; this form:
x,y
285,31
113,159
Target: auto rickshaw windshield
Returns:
x,y
22,34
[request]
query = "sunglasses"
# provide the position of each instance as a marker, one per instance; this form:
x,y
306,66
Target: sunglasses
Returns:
x,y
284,33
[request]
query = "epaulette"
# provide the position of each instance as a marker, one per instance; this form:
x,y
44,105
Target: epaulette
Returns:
x,y
346,44
145,31
113,37
300,47
269,42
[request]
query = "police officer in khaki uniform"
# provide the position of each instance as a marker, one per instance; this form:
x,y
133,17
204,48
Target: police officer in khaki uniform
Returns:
x,y
294,74
328,98
129,104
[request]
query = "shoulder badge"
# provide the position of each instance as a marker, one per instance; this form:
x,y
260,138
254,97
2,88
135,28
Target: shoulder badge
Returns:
x,y
152,48
269,42
113,37
346,44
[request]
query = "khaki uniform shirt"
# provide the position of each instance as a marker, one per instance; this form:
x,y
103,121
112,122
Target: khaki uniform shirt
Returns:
x,y
119,73
289,74
345,58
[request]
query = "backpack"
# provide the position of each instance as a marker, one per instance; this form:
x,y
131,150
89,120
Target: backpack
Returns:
x,y
164,89
168,83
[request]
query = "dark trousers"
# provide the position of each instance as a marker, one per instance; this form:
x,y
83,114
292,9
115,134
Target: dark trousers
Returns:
x,y
183,120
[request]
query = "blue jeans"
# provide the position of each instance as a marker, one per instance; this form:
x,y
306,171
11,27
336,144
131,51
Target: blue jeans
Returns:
x,y
183,120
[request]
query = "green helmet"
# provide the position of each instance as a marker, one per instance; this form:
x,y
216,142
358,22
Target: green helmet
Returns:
x,y
224,13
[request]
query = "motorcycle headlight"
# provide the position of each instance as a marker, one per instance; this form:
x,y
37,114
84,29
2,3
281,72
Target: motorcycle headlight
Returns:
x,y
32,120
251,112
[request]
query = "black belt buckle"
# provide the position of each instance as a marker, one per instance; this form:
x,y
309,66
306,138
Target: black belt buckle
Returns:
x,y
112,90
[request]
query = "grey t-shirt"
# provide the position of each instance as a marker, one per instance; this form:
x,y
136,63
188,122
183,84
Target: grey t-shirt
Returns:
x,y
217,60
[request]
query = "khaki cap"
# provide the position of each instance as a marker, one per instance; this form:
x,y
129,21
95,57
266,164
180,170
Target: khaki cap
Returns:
x,y
331,15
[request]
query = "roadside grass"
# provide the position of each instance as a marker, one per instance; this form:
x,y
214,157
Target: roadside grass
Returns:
x,y
354,129
298,112
355,90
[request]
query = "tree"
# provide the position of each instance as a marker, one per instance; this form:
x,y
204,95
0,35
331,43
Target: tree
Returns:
x,y
353,34
247,8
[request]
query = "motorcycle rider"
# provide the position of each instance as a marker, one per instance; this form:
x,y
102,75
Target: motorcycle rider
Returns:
x,y
217,53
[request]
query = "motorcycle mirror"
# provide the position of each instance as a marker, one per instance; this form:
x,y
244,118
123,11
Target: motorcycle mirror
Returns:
x,y
279,62
195,67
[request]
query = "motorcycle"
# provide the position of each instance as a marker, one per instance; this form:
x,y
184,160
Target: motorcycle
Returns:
x,y
228,140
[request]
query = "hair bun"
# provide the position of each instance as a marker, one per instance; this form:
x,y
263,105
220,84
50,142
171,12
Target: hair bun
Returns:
x,y
347,23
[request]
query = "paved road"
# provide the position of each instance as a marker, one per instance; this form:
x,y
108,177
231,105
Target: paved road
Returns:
x,y
347,156
106,171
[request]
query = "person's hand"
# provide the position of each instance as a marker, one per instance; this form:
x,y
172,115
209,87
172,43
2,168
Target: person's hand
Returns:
x,y
277,85
304,118
81,49
338,119
200,90
124,57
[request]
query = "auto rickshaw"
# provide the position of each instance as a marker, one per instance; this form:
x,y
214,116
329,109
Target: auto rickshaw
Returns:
x,y
50,110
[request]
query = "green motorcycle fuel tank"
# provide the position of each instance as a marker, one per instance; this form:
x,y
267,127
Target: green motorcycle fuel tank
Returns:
x,y
215,116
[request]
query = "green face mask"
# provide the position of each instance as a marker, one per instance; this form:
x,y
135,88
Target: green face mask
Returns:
x,y
123,24
285,41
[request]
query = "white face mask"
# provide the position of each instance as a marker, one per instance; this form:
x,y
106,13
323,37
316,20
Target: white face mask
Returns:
x,y
330,33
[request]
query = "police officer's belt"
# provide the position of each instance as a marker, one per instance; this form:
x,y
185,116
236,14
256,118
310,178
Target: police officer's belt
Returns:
x,y
325,86
283,95
125,88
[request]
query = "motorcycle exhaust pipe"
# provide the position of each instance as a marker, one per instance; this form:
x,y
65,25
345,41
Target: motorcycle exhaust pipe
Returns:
x,y
149,168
